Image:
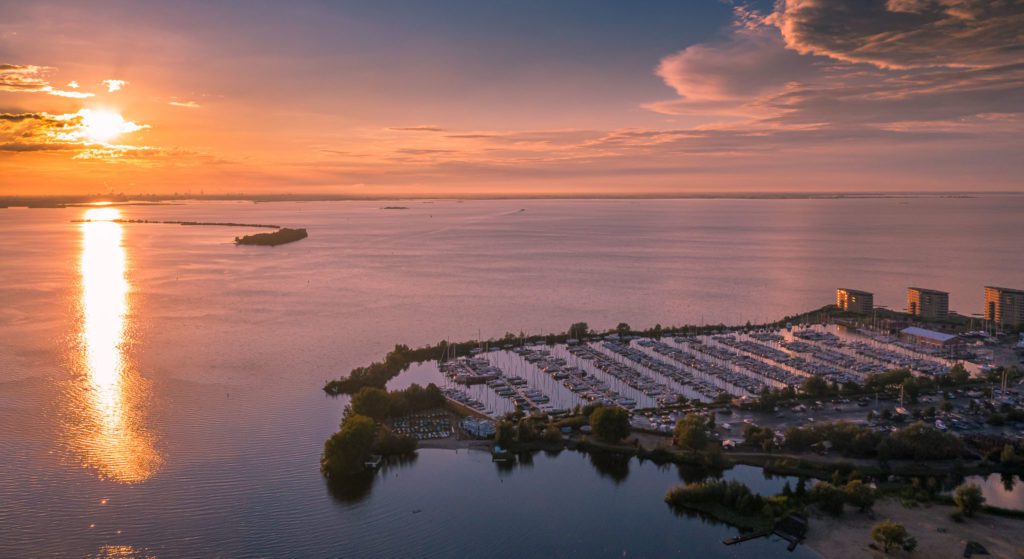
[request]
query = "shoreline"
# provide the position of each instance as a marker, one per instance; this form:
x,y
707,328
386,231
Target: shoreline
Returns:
x,y
809,465
71,200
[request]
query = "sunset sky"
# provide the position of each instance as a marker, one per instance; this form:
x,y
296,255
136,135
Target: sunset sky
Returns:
x,y
511,97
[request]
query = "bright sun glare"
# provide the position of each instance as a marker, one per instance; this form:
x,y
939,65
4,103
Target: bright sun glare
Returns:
x,y
103,126
102,214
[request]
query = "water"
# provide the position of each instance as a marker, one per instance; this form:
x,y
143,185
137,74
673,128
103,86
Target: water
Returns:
x,y
1000,490
160,387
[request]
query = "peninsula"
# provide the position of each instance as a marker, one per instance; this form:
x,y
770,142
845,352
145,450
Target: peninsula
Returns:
x,y
830,395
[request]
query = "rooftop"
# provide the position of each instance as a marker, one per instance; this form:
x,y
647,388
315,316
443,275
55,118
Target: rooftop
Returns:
x,y
1005,289
926,290
931,334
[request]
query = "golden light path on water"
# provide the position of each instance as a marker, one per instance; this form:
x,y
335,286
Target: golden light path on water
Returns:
x,y
110,434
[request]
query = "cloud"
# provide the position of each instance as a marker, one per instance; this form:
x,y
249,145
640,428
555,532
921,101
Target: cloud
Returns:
x,y
73,84
16,78
854,63
423,128
82,131
902,34
184,104
114,85
746,64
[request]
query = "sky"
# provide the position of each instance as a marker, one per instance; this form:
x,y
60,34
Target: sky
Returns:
x,y
511,97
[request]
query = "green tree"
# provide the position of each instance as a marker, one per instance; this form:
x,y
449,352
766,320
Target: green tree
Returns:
x,y
815,386
552,434
968,499
860,495
691,432
504,433
610,424
347,450
828,497
1007,456
623,329
371,402
958,374
578,330
890,534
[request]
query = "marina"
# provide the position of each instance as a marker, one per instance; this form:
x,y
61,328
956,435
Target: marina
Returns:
x,y
644,373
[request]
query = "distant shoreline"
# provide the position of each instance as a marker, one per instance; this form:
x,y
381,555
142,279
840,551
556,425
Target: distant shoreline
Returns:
x,y
64,201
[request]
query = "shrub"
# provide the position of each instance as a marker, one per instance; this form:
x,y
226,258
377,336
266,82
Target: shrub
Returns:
x,y
731,494
828,497
890,534
860,495
968,499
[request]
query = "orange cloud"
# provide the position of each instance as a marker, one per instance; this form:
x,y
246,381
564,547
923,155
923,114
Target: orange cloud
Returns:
x,y
81,131
16,78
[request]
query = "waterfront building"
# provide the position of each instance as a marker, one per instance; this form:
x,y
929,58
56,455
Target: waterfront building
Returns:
x,y
855,301
479,428
1004,306
930,339
927,303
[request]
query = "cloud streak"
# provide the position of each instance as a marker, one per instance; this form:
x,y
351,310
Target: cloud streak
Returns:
x,y
17,78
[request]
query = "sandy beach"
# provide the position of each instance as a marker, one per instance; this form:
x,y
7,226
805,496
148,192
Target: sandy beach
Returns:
x,y
938,536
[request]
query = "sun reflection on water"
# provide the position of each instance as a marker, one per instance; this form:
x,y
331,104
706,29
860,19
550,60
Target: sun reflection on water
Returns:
x,y
109,432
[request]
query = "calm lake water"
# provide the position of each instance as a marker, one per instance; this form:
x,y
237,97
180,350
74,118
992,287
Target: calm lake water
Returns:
x,y
160,387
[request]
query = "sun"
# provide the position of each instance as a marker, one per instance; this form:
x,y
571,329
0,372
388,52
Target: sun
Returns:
x,y
102,214
102,126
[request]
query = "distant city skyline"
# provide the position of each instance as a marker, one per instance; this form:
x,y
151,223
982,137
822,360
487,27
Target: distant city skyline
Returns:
x,y
398,97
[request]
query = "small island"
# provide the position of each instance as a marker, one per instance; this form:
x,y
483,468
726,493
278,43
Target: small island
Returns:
x,y
279,237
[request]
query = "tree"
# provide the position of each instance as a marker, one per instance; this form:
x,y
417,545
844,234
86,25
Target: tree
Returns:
x,y
347,450
759,436
691,432
504,433
947,406
968,499
815,386
828,497
890,534
371,402
859,495
579,330
610,424
623,329
958,374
